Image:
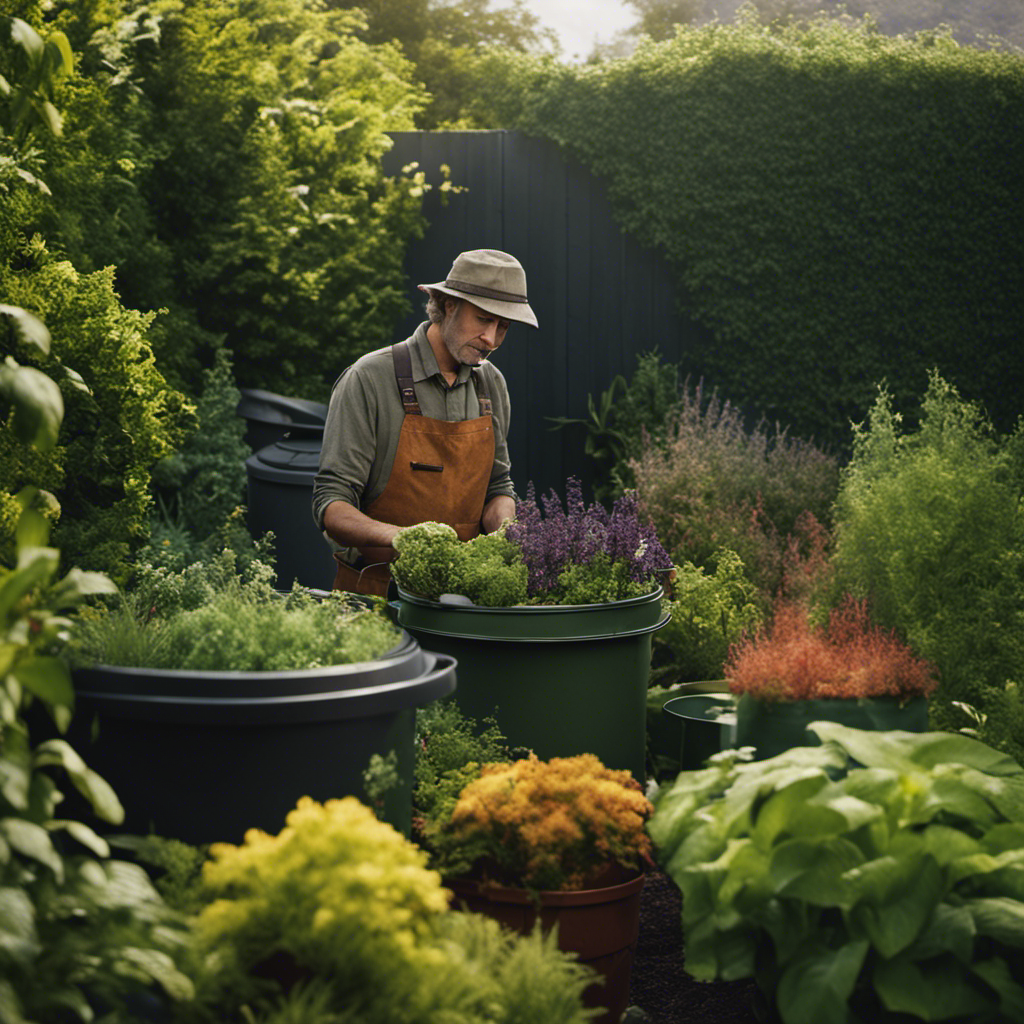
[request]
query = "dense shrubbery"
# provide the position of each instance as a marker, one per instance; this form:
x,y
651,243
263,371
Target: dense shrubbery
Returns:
x,y
930,529
237,147
117,426
710,483
838,205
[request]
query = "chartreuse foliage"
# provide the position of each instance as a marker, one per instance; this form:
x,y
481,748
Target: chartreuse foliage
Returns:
x,y
345,903
878,871
119,421
839,206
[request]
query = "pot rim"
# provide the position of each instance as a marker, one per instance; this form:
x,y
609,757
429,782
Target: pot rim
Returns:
x,y
549,897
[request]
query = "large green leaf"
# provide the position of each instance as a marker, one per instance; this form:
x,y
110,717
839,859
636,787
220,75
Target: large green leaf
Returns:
x,y
35,566
10,1004
158,966
775,816
894,749
896,901
949,930
83,834
30,328
933,991
813,870
999,917
47,678
18,937
95,789
996,973
815,986
32,840
37,404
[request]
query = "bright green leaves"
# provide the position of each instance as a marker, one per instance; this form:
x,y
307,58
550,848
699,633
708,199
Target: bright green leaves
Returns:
x,y
818,981
33,397
30,93
98,792
882,865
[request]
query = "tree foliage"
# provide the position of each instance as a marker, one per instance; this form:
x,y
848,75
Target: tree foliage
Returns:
x,y
225,157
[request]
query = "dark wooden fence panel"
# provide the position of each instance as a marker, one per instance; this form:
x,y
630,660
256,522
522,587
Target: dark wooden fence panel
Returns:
x,y
600,298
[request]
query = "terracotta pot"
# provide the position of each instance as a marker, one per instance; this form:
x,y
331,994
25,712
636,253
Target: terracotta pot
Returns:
x,y
600,926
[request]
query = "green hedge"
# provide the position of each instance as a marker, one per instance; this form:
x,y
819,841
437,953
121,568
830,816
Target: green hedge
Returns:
x,y
840,207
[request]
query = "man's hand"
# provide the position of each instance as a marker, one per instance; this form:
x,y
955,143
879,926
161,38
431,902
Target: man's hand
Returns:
x,y
499,509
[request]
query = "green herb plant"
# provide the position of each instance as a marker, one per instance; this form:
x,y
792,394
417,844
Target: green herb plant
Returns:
x,y
710,611
433,561
882,872
337,917
450,751
220,616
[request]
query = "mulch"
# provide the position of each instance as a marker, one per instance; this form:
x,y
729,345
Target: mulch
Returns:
x,y
660,987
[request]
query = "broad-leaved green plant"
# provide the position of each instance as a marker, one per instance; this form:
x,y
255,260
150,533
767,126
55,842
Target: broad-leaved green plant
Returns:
x,y
880,872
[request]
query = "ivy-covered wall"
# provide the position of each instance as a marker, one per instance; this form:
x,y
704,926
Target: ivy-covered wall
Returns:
x,y
839,206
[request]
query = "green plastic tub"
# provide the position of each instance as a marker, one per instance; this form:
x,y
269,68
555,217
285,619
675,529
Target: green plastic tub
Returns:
x,y
560,680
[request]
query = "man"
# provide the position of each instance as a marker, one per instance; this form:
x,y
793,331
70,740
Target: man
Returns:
x,y
417,432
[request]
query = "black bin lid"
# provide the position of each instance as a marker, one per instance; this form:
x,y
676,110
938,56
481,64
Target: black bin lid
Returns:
x,y
293,460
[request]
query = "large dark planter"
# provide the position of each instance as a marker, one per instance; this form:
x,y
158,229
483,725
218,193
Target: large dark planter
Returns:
x,y
204,756
600,925
773,727
559,679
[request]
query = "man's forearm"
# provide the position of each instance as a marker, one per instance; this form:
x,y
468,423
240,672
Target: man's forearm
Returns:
x,y
496,511
346,525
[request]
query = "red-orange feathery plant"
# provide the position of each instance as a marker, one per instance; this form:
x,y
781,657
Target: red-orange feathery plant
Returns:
x,y
567,823
850,657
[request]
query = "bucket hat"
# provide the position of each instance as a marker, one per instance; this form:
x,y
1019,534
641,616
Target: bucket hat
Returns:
x,y
490,279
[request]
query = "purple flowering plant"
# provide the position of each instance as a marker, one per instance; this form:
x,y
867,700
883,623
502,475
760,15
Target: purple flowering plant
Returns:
x,y
578,554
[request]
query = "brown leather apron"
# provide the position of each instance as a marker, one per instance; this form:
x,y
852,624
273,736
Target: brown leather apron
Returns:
x,y
440,474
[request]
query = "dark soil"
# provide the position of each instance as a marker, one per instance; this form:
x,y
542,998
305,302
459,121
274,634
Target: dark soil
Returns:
x,y
660,987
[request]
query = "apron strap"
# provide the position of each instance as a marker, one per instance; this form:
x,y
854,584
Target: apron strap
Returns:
x,y
403,376
483,393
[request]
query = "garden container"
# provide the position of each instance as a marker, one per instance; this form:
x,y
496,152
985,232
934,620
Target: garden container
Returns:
x,y
664,731
708,723
204,756
600,925
280,496
560,680
270,417
775,726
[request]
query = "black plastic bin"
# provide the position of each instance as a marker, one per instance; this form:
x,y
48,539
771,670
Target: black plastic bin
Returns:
x,y
205,756
280,495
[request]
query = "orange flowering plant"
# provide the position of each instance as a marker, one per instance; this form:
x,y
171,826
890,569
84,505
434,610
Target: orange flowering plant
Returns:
x,y
566,823
849,657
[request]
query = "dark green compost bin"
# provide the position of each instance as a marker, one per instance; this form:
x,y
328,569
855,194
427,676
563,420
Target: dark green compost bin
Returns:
x,y
202,756
560,680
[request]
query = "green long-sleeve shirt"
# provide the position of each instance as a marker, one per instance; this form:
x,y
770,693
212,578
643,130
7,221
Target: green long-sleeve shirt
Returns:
x,y
364,420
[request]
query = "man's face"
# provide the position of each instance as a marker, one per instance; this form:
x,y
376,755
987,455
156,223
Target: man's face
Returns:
x,y
471,334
